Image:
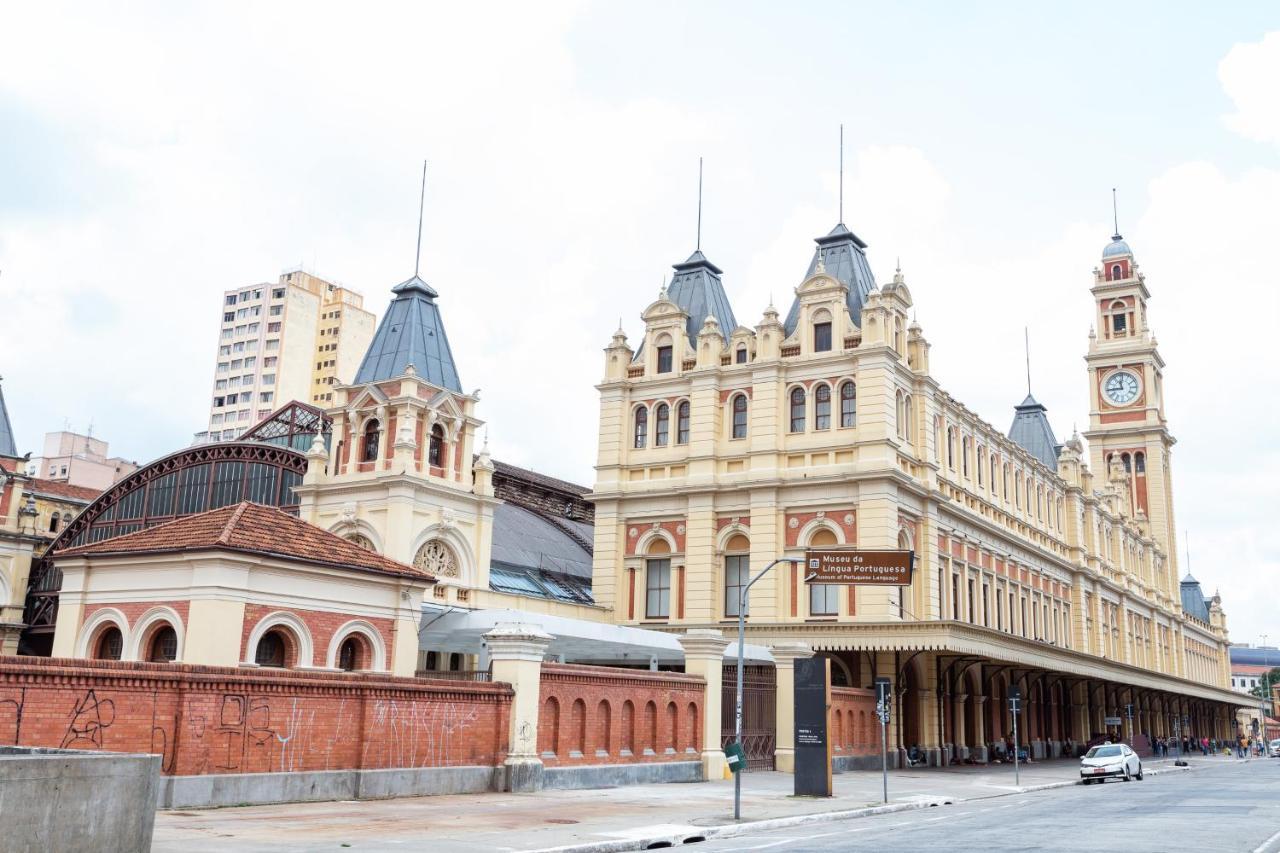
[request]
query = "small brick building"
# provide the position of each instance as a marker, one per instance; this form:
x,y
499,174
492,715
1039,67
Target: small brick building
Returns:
x,y
244,585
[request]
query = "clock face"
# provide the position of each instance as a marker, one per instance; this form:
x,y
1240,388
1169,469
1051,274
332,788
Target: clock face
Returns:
x,y
1121,387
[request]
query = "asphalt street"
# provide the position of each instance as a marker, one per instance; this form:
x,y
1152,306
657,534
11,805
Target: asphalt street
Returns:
x,y
1230,807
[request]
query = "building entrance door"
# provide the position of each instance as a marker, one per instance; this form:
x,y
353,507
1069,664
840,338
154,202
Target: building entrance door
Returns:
x,y
759,687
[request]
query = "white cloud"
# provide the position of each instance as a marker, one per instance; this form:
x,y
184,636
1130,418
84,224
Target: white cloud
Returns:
x,y
1249,74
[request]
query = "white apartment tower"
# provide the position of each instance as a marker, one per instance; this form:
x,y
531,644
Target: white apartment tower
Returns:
x,y
292,340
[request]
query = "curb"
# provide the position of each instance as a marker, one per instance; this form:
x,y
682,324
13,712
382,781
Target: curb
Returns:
x,y
731,830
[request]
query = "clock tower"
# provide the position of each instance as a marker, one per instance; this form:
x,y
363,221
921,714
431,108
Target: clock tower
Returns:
x,y
1126,394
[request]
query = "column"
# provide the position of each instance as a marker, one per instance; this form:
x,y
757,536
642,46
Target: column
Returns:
x,y
979,750
958,738
516,650
784,659
704,656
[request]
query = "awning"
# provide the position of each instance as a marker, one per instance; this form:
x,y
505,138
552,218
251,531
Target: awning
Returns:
x,y
448,629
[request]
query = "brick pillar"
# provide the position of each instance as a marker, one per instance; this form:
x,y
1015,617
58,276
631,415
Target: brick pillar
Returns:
x,y
516,651
784,659
704,656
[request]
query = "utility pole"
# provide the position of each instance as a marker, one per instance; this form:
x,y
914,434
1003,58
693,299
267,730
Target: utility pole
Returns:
x,y
884,701
742,630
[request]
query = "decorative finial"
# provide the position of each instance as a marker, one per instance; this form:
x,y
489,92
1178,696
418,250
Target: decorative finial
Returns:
x,y
841,220
422,197
698,244
821,266
1026,343
662,293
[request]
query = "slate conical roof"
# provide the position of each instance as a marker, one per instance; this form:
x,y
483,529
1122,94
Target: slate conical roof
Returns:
x,y
696,287
1031,431
8,447
845,260
1193,601
411,332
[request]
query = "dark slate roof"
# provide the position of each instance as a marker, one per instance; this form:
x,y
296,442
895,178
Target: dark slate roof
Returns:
x,y
1193,600
696,287
1255,656
1031,432
7,445
523,539
845,260
411,332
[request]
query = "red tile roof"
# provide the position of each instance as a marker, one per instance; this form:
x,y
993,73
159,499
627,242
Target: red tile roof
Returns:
x,y
250,528
62,490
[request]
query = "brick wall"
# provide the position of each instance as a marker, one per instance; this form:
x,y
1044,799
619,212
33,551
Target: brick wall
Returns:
x,y
226,720
602,715
321,623
853,726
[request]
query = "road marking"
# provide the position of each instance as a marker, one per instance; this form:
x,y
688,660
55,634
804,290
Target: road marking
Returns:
x,y
1262,848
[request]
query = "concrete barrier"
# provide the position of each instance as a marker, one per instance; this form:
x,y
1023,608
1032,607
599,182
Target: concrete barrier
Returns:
x,y
72,800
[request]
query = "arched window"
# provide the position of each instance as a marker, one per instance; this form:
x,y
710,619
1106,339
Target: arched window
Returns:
x,y
824,598
662,425
435,448
822,407
951,448
270,651
737,571
982,461
360,540
1140,463
682,422
164,645
964,455
897,335
110,644
53,522
797,410
349,654
641,428
740,416
848,404
370,446
741,355
1126,462
1119,319
1115,272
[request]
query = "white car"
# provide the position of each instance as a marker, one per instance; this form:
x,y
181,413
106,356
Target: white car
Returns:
x,y
1110,760
1274,748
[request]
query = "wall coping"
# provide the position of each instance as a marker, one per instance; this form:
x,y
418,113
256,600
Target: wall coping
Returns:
x,y
852,691
72,672
583,673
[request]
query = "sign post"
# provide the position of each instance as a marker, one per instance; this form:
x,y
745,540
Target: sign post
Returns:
x,y
1015,696
737,705
884,700
1128,715
813,743
859,567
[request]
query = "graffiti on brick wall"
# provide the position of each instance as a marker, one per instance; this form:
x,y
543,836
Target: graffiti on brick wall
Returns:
x,y
90,718
419,735
12,700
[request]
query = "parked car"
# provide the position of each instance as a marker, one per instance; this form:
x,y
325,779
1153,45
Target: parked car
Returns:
x,y
1273,748
1111,760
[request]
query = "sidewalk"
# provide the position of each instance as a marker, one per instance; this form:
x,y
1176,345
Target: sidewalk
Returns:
x,y
608,817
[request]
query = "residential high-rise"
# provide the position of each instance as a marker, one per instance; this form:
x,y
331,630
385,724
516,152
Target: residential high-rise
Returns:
x,y
293,340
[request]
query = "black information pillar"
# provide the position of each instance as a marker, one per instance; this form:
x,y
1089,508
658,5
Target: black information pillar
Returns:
x,y
813,747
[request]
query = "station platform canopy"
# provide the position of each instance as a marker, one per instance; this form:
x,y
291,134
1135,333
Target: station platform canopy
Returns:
x,y
576,640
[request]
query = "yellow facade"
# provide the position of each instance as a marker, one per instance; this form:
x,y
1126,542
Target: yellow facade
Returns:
x,y
1072,565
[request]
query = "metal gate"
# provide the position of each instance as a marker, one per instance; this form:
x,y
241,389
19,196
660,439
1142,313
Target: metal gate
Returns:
x,y
759,688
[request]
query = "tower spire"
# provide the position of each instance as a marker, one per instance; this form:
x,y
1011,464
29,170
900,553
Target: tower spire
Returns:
x,y
1026,345
841,219
1115,216
698,243
422,197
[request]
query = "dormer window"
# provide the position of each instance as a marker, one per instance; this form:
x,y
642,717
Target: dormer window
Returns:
x,y
822,337
741,357
664,359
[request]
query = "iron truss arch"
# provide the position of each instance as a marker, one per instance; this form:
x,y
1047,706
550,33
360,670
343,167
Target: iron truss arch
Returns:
x,y
187,482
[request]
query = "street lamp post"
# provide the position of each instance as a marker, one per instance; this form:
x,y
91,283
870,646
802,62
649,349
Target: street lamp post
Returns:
x,y
737,709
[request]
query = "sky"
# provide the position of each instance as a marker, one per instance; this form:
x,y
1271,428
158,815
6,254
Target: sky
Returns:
x,y
154,155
